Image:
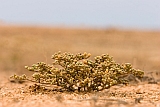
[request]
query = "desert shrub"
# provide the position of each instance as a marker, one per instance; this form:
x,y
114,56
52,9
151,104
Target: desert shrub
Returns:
x,y
78,73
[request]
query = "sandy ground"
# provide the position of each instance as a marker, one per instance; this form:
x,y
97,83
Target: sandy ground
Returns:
x,y
20,46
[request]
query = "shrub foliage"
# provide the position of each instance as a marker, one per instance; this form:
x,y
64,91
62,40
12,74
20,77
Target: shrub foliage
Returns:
x,y
78,73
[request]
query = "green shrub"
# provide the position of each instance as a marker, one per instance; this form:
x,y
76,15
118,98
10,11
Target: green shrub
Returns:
x,y
78,73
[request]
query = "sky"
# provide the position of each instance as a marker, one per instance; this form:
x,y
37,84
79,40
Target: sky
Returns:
x,y
138,14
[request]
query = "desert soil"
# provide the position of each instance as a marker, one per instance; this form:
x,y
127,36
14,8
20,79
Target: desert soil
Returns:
x,y
24,45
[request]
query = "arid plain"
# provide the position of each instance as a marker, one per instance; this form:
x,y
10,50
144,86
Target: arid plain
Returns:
x,y
26,45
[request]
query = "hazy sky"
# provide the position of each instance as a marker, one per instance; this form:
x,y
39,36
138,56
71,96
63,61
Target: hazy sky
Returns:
x,y
144,14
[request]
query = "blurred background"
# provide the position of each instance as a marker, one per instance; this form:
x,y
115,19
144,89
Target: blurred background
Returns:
x,y
138,14
33,30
